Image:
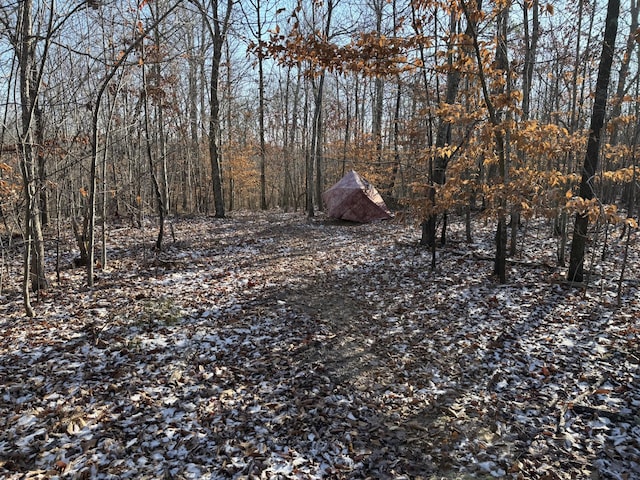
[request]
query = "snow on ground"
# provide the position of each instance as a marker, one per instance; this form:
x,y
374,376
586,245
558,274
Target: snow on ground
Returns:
x,y
270,346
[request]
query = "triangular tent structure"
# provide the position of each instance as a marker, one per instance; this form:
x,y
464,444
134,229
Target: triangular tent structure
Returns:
x,y
355,199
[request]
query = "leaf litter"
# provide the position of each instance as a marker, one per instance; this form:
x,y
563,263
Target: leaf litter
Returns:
x,y
269,346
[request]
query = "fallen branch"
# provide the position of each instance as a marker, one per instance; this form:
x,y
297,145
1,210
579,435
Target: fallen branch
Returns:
x,y
601,412
576,401
523,263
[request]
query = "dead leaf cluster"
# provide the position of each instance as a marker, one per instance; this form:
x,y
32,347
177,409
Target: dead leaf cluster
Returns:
x,y
266,346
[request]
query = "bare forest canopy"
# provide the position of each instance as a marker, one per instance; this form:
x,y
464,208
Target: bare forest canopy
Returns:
x,y
115,110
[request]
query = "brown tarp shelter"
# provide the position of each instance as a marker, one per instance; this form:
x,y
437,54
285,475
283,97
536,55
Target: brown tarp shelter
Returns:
x,y
356,200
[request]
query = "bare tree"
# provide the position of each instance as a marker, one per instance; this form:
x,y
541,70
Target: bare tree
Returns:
x,y
314,157
576,259
31,62
257,31
531,37
217,16
495,118
95,121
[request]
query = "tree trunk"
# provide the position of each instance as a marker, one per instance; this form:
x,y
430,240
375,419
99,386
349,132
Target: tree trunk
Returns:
x,y
378,89
576,259
214,129
632,194
160,200
531,48
95,116
261,112
314,163
41,162
218,27
310,163
316,141
196,70
34,276
623,72
502,147
443,138
500,264
389,186
531,40
495,117
560,222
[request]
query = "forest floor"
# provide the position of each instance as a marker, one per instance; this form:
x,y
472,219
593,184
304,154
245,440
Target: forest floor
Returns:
x,y
267,346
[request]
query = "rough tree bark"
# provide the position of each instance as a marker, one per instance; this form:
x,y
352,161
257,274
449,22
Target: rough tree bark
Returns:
x,y
160,199
378,86
218,23
623,72
315,151
261,106
218,27
578,242
443,138
531,48
314,157
34,275
495,117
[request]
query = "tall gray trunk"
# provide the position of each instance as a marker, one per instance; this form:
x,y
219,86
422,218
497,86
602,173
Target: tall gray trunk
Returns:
x,y
218,27
261,112
316,141
623,72
443,138
214,133
34,265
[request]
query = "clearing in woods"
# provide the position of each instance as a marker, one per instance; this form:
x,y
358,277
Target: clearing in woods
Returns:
x,y
271,346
